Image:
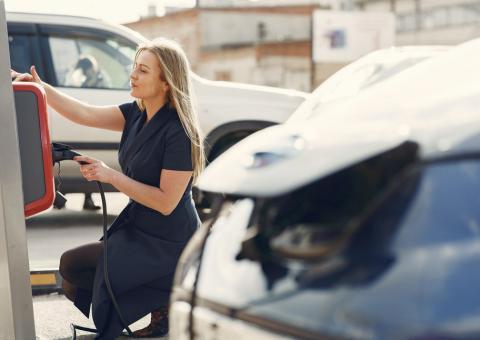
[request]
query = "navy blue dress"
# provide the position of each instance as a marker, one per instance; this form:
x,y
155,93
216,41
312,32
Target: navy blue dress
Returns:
x,y
143,245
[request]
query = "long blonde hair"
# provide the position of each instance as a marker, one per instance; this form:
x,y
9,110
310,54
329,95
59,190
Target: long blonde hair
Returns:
x,y
176,72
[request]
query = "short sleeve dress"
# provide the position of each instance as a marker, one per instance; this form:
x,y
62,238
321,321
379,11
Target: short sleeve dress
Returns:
x,y
143,244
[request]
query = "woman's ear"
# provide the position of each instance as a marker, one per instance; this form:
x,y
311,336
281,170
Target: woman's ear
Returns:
x,y
166,87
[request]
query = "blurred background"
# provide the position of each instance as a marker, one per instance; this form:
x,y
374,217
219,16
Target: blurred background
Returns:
x,y
294,44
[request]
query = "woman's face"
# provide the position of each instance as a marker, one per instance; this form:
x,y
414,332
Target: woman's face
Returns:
x,y
145,79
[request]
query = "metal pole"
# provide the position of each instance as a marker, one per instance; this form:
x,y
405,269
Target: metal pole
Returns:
x,y
312,61
16,308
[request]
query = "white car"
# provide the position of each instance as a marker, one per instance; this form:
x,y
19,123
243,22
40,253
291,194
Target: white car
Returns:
x,y
91,60
371,69
360,221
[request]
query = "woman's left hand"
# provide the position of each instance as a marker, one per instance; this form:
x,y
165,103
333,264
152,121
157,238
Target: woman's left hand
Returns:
x,y
95,170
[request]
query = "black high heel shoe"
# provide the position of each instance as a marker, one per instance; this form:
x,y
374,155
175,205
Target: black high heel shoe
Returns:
x,y
158,326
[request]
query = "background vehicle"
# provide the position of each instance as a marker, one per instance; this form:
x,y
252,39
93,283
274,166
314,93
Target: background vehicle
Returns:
x,y
360,222
371,69
91,60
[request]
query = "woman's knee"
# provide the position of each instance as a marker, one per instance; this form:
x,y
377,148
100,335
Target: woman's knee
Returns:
x,y
66,264
79,259
69,290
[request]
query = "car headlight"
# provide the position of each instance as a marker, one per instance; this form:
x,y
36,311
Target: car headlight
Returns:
x,y
283,149
187,266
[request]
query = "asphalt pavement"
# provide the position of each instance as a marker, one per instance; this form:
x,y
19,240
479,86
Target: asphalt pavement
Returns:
x,y
50,233
54,313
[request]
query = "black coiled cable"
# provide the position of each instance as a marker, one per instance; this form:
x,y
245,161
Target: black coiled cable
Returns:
x,y
105,274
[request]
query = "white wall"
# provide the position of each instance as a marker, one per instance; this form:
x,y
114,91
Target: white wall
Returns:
x,y
240,68
227,28
285,72
248,3
445,36
340,36
448,31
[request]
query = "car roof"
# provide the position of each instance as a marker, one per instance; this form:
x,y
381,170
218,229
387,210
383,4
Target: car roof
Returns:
x,y
370,69
430,103
433,104
72,20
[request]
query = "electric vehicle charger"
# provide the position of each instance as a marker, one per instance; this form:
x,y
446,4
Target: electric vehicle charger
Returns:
x,y
61,152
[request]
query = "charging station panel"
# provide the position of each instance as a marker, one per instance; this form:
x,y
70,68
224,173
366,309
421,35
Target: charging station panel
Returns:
x,y
35,147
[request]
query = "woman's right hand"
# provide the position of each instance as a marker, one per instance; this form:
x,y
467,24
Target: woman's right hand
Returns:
x,y
36,77
20,76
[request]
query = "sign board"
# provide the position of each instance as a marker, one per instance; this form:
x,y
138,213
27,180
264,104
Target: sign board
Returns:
x,y
342,37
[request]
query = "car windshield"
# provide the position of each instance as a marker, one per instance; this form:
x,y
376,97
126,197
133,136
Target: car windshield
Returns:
x,y
434,205
444,208
357,76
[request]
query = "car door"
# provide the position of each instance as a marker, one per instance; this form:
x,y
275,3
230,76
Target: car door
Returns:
x,y
23,44
70,54
24,47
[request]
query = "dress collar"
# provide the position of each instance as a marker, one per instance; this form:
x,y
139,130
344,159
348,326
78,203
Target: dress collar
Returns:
x,y
143,132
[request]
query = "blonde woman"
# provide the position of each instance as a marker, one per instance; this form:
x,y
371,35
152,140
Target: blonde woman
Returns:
x,y
161,154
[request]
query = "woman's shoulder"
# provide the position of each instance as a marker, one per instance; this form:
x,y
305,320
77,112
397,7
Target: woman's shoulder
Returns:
x,y
130,109
175,125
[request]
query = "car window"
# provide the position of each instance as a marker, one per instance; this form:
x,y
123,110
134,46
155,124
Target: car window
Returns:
x,y
434,206
20,52
91,63
445,207
329,209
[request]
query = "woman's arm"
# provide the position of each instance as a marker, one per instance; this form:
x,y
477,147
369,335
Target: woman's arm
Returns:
x,y
163,199
104,117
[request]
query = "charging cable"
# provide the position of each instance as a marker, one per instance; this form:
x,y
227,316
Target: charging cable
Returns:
x,y
62,152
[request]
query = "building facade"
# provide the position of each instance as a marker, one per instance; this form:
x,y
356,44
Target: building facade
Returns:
x,y
256,45
264,45
430,22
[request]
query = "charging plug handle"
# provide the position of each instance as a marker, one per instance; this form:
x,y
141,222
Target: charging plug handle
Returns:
x,y
62,152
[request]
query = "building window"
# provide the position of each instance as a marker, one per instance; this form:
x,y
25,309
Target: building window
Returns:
x,y
223,75
440,17
454,15
406,23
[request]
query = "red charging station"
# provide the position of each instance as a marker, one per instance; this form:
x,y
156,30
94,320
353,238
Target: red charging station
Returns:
x,y
35,147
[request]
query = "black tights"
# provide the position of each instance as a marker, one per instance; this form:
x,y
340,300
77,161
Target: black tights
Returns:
x,y
77,267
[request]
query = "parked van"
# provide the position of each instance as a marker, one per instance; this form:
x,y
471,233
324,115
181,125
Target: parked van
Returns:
x,y
91,60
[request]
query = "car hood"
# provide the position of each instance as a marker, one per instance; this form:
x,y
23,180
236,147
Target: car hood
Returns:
x,y
243,102
278,159
423,106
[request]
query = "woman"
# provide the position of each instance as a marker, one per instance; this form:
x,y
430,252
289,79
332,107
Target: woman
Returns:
x,y
160,153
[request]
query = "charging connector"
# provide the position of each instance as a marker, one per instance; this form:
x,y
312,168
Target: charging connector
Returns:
x,y
62,152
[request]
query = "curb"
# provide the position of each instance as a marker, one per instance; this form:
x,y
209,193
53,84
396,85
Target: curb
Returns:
x,y
45,281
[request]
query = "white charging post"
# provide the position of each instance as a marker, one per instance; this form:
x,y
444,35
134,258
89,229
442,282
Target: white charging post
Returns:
x,y
16,307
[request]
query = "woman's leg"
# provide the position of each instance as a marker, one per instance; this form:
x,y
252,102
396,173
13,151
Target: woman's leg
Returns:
x,y
158,326
77,267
